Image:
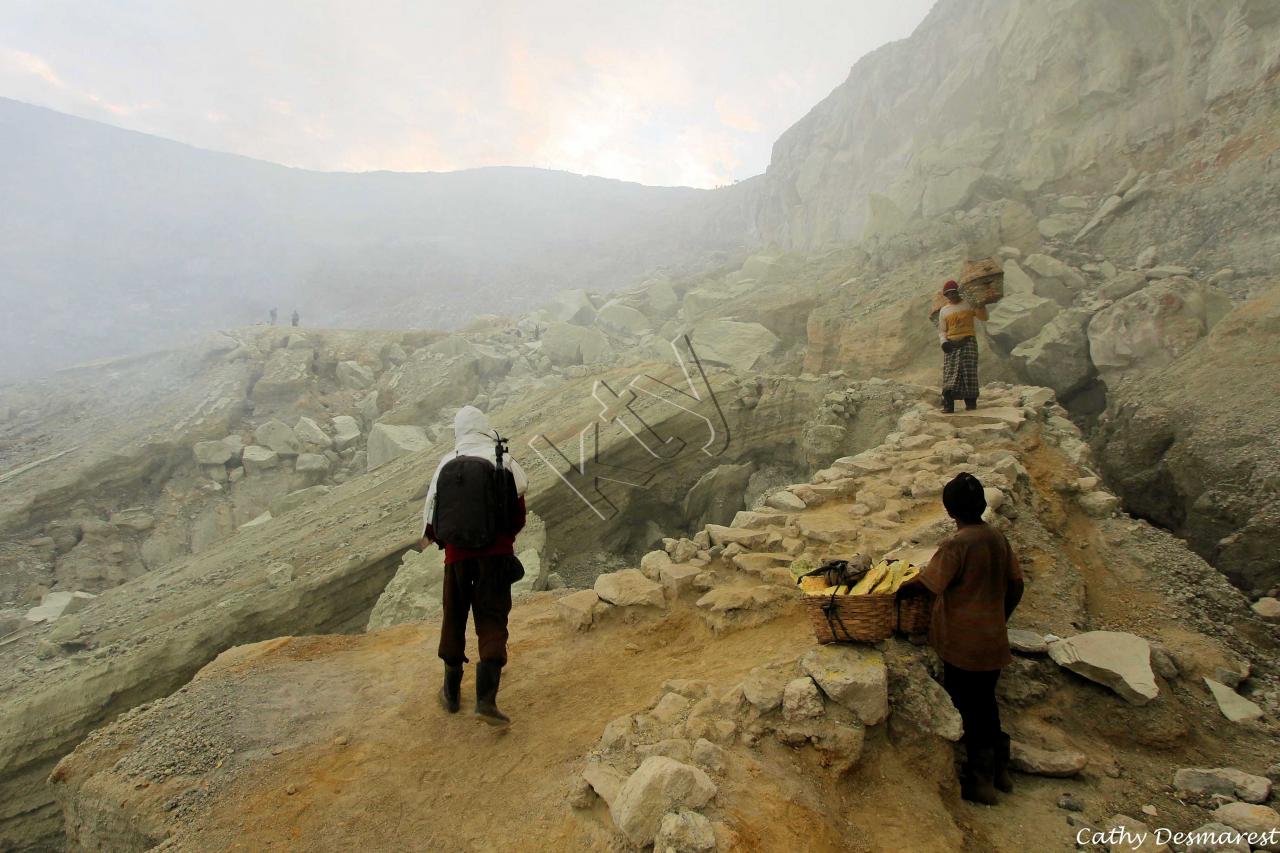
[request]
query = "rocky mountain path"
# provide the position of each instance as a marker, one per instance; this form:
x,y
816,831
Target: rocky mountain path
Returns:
x,y
322,743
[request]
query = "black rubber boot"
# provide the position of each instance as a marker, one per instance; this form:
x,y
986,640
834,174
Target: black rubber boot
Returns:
x,y
948,405
971,403
977,784
488,676
1001,777
451,692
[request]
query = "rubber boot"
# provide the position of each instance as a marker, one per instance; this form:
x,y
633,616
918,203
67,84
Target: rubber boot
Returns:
x,y
948,405
1002,779
451,692
977,784
488,676
971,403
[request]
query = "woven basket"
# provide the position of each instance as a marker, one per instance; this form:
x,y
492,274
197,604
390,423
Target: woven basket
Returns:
x,y
914,613
982,281
851,618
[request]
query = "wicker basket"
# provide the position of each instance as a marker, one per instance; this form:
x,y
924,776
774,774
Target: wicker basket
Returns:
x,y
851,618
914,613
982,281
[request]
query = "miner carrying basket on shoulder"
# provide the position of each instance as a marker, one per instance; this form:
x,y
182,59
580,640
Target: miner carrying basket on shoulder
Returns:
x,y
962,304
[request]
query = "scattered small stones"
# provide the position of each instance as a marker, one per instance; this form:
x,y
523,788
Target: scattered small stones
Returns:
x,y
1069,803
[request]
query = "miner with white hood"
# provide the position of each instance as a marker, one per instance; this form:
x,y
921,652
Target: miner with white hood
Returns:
x,y
474,509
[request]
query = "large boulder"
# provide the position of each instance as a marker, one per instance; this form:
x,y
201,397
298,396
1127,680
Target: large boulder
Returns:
x,y
346,432
354,376
1058,356
1018,317
391,441
413,595
212,452
660,785
309,433
851,676
629,587
621,319
257,459
718,495
566,345
277,436
1054,279
1227,781
1113,659
732,344
571,306
1262,822
1154,326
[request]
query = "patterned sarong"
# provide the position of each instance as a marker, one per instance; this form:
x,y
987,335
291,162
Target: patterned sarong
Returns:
x,y
960,371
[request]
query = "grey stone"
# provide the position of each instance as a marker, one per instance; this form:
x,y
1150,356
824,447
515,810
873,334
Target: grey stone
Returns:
x,y
1113,659
629,588
346,432
1223,780
853,677
309,432
1027,642
1250,818
1060,763
257,459
212,453
578,609
732,344
684,831
277,436
391,441
660,785
354,376
1234,707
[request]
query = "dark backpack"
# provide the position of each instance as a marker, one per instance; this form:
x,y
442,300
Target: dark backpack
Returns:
x,y
475,502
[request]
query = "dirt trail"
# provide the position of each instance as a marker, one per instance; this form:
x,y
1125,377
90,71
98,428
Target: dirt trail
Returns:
x,y
407,771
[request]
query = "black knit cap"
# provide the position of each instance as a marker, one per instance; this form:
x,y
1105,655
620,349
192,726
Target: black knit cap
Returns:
x,y
964,499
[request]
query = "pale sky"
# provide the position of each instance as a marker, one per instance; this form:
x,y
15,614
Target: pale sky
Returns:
x,y
660,92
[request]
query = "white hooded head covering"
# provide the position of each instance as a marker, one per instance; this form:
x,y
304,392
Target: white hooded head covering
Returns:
x,y
472,436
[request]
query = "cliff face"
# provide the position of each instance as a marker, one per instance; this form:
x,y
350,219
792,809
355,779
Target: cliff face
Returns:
x,y
990,98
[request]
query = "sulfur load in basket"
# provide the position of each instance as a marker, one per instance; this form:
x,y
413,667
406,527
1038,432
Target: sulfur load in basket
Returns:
x,y
982,281
865,611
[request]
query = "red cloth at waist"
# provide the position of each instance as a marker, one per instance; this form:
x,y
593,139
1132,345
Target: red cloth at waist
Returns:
x,y
505,544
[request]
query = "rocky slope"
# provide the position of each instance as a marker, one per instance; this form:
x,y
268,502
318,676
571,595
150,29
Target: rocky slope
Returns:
x,y
705,740
322,566
1002,97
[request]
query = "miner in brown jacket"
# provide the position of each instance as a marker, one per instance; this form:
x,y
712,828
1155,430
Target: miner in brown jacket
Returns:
x,y
977,582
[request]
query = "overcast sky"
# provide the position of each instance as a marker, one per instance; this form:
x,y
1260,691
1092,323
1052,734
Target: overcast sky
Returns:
x,y
661,92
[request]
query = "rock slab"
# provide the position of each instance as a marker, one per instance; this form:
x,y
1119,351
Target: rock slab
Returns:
x,y
853,677
660,785
629,588
1113,659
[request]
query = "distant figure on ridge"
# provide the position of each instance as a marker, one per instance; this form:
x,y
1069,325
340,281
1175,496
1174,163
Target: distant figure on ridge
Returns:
x,y
273,316
959,349
293,321
474,509
978,583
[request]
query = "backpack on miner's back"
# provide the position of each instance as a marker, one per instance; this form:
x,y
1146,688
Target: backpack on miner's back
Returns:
x,y
475,501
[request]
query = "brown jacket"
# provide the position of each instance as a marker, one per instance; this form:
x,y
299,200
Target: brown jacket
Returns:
x,y
977,580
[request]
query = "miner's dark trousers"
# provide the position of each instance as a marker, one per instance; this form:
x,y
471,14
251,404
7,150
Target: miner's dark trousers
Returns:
x,y
974,695
479,585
